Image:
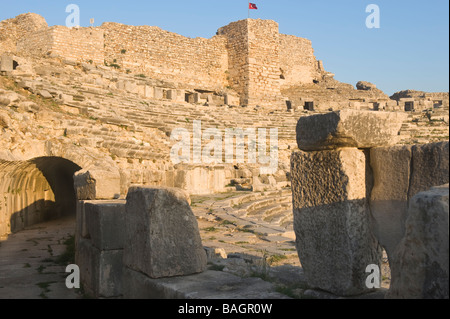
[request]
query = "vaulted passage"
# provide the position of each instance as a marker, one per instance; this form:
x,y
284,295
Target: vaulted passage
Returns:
x,y
35,191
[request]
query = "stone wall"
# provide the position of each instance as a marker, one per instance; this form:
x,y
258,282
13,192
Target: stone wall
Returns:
x,y
237,46
264,63
77,44
166,55
411,100
37,43
255,60
250,56
351,193
18,27
297,61
144,234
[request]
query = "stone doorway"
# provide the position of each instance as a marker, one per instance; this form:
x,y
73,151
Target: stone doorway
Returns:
x,y
309,106
409,106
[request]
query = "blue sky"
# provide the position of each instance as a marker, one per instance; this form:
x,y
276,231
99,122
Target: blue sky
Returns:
x,y
410,50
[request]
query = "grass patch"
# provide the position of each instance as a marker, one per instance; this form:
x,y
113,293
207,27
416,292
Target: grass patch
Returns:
x,y
47,260
44,286
40,269
276,258
68,256
288,291
115,66
227,222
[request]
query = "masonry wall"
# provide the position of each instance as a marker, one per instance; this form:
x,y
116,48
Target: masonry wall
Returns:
x,y
254,60
249,56
78,44
13,29
166,55
264,63
297,61
36,43
237,46
81,44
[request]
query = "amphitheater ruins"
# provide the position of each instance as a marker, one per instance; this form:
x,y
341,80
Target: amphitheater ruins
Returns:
x,y
87,120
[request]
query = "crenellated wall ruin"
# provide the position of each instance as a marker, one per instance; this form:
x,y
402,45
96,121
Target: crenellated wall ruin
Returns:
x,y
249,56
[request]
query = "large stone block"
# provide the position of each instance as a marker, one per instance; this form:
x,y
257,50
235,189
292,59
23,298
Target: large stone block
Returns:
x,y
422,257
100,271
399,173
105,222
207,285
391,167
80,228
332,219
162,235
430,167
97,184
6,63
348,128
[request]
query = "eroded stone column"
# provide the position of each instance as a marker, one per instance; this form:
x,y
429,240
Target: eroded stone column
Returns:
x,y
332,219
331,184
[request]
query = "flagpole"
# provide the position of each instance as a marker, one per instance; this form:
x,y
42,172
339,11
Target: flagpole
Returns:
x,y
248,9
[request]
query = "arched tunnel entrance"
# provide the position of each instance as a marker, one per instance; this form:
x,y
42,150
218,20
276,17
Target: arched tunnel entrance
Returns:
x,y
35,191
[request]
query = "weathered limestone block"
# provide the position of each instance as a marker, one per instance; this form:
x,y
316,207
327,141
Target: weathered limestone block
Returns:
x,y
45,94
96,184
422,257
162,235
398,172
348,128
198,180
158,93
149,92
365,86
4,118
207,285
430,167
6,63
391,168
105,223
231,100
332,219
100,271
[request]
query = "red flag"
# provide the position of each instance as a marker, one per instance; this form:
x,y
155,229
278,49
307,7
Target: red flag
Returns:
x,y
252,6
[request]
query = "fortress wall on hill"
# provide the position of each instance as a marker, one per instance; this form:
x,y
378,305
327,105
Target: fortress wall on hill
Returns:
x,y
166,55
81,45
250,56
18,27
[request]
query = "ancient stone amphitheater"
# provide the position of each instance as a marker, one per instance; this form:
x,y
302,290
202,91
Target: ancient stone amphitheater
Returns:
x,y
88,114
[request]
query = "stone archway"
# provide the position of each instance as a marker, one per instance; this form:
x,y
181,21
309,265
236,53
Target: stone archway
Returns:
x,y
34,191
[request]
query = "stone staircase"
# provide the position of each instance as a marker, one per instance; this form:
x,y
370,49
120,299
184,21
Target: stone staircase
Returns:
x,y
419,129
102,109
267,215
